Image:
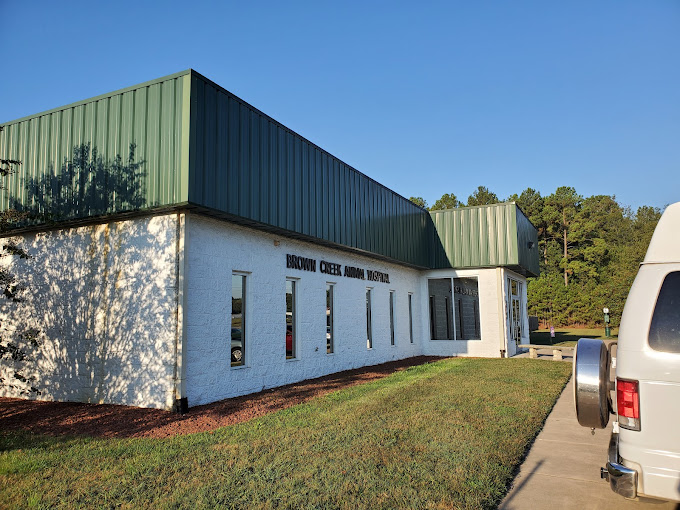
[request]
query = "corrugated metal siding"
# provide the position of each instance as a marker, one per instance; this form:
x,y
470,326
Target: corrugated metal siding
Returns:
x,y
148,115
203,146
484,236
245,164
527,241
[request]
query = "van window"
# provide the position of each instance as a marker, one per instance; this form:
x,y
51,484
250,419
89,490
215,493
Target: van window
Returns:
x,y
664,333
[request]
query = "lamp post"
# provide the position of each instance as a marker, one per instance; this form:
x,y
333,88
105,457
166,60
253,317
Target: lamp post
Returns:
x,y
607,330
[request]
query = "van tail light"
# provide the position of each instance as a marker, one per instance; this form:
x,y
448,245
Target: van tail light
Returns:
x,y
628,403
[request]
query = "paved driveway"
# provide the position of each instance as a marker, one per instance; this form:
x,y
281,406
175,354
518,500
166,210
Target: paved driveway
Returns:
x,y
562,470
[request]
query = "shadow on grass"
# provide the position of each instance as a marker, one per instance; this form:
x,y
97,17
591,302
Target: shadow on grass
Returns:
x,y
21,440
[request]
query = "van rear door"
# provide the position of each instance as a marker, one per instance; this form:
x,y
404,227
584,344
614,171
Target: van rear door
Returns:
x,y
648,353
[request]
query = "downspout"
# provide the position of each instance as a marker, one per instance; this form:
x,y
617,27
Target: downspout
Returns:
x,y
180,403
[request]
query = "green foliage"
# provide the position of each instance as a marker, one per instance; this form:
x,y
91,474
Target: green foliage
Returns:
x,y
531,202
419,201
591,249
447,201
13,345
482,196
433,436
236,305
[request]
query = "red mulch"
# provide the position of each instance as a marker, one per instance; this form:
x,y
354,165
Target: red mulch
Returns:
x,y
104,420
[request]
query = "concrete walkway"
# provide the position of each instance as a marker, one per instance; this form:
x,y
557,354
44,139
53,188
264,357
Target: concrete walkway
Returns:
x,y
562,470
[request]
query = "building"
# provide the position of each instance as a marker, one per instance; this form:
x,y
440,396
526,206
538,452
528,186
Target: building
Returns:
x,y
187,248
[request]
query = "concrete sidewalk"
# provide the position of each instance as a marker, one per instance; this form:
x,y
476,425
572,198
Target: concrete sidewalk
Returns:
x,y
562,470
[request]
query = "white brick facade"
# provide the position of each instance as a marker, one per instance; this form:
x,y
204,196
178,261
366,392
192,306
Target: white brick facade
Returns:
x,y
138,312
215,249
104,298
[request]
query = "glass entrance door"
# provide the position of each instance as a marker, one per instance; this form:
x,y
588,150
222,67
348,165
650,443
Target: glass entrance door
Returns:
x,y
515,322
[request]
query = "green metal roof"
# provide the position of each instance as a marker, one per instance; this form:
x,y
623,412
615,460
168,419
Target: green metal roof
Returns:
x,y
182,141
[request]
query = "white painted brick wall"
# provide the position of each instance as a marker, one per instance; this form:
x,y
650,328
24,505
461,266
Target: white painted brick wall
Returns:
x,y
104,298
215,249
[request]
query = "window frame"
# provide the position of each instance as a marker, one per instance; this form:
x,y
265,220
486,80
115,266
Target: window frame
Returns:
x,y
294,333
392,304
410,316
433,317
461,323
658,325
244,319
330,322
519,298
449,313
369,318
453,304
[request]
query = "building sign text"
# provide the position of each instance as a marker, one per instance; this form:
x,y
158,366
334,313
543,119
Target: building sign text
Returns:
x,y
332,268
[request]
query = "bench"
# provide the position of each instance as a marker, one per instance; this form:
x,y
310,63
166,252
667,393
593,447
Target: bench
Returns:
x,y
556,349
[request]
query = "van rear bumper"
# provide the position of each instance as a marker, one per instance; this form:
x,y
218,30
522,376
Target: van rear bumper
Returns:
x,y
622,480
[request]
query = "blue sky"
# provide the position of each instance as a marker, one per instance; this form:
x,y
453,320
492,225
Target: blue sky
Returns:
x,y
425,97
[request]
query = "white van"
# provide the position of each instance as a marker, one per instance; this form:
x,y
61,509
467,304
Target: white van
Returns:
x,y
644,450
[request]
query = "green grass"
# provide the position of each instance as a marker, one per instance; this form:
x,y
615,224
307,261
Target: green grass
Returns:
x,y
568,336
449,434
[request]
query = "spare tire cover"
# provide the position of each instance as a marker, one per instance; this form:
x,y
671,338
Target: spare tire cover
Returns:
x,y
591,383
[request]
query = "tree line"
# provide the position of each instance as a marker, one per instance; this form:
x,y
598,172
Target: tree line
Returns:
x,y
589,247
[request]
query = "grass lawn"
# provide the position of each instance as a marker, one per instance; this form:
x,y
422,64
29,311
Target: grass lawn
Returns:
x,y
448,434
568,337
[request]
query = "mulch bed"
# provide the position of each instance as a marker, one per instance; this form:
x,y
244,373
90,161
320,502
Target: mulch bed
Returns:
x,y
102,420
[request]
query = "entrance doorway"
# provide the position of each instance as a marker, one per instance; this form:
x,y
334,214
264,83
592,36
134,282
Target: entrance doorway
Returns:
x,y
515,315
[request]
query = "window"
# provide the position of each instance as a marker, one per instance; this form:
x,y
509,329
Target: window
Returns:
x,y
459,315
459,302
410,317
392,297
664,332
433,319
291,332
238,322
447,307
441,325
329,319
369,332
466,294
